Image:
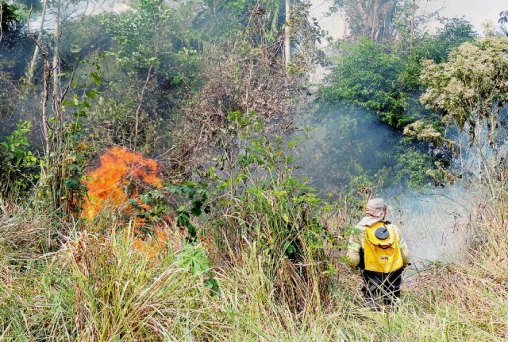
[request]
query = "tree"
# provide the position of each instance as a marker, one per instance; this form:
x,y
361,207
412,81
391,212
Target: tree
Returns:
x,y
367,74
471,91
31,68
377,19
12,19
369,18
282,24
503,22
247,74
387,79
287,34
434,47
8,17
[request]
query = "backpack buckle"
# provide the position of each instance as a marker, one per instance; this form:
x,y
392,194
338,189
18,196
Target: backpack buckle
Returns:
x,y
382,233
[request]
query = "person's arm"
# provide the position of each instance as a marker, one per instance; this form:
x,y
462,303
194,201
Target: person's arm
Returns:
x,y
404,249
353,250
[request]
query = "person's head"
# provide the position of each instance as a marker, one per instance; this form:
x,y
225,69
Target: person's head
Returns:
x,y
376,207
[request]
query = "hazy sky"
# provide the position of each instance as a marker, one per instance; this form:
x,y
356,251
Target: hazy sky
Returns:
x,y
476,11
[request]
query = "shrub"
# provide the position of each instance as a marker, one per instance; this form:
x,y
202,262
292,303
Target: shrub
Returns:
x,y
18,165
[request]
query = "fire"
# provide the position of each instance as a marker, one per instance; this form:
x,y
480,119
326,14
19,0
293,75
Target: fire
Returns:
x,y
118,179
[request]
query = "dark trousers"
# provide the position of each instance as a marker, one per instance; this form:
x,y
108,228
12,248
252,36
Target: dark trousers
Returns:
x,y
381,286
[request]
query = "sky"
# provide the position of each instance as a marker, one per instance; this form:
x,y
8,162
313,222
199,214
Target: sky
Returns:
x,y
475,11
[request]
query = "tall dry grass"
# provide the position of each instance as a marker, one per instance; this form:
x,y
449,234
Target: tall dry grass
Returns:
x,y
96,287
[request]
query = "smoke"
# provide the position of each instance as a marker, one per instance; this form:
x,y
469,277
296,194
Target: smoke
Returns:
x,y
477,155
348,145
345,144
78,41
435,223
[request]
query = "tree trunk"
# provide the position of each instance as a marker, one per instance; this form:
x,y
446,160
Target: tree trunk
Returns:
x,y
44,105
372,18
413,24
374,21
287,34
30,73
138,109
1,20
57,165
390,12
56,75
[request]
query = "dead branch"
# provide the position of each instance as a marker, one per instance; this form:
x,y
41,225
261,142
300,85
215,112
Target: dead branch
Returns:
x,y
138,109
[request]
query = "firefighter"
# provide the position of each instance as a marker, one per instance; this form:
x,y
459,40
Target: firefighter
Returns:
x,y
379,250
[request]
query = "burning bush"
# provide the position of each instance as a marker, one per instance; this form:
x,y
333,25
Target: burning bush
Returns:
x,y
119,178
118,183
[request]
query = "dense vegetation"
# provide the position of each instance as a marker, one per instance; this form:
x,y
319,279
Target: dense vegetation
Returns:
x,y
149,188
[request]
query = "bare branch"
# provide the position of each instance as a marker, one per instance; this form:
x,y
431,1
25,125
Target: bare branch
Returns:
x,y
138,109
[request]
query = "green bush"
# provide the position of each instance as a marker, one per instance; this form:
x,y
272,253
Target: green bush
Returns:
x,y
261,205
18,165
367,73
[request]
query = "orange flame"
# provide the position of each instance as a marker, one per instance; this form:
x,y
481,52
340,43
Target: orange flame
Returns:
x,y
119,170
116,181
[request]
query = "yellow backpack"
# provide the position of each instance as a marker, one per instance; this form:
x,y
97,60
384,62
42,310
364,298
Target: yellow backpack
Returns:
x,y
381,250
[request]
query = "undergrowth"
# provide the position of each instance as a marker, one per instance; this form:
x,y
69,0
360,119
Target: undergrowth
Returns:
x,y
249,256
98,288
